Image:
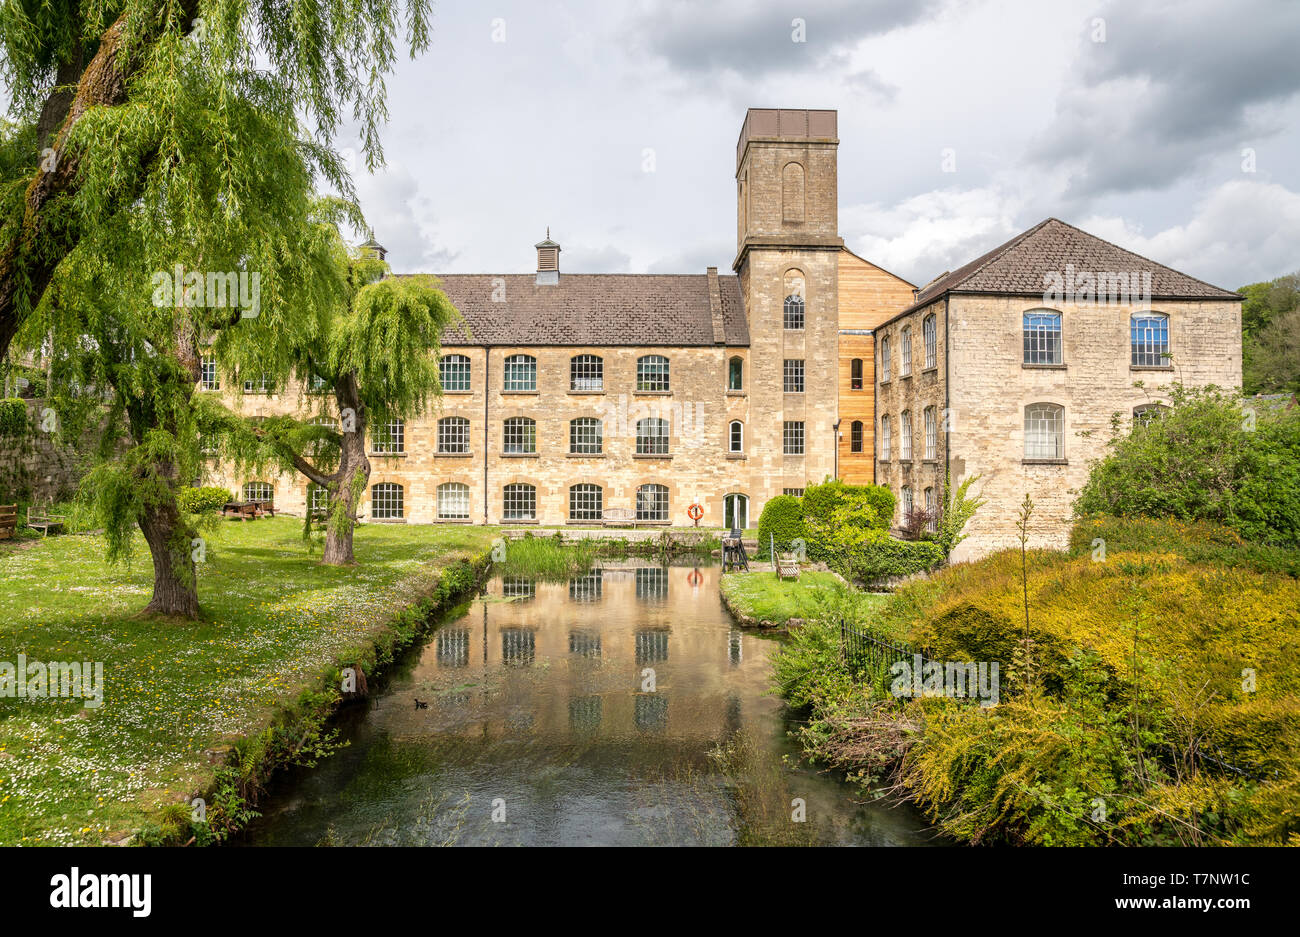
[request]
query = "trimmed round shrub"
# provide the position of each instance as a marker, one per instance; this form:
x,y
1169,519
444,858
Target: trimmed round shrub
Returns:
x,y
202,500
782,521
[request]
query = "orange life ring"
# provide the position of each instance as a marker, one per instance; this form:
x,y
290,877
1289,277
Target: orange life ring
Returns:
x,y
695,512
695,578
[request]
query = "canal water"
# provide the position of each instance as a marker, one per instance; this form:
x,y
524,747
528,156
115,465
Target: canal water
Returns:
x,y
623,707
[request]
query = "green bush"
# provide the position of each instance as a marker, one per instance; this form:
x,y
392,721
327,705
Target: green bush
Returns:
x,y
13,417
202,500
1195,541
883,557
837,516
782,521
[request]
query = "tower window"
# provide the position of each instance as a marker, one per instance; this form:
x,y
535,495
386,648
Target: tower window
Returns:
x,y
736,436
792,192
792,437
735,374
794,375
855,374
794,309
855,436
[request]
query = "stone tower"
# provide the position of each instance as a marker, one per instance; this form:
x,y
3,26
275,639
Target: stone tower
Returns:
x,y
787,259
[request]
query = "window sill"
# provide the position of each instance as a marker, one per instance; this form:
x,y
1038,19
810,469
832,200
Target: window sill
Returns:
x,y
736,455
735,393
517,455
386,455
584,455
792,455
453,455
452,520
652,393
883,382
905,377
651,455
388,520
457,393
1042,367
517,521
905,461
524,393
587,393
789,392
930,370
1044,461
1150,367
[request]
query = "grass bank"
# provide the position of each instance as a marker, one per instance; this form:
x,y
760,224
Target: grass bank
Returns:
x,y
208,708
1154,697
556,557
760,599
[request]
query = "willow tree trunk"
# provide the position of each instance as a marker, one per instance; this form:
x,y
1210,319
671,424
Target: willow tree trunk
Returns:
x,y
349,482
175,586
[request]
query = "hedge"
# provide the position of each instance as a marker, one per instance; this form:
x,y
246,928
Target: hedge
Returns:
x,y
782,521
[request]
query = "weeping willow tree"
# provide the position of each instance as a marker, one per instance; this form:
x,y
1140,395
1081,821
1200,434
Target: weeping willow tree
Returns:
x,y
379,352
152,171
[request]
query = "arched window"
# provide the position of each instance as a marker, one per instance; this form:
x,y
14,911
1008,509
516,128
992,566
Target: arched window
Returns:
x,y
453,372
453,501
258,491
652,374
1148,413
905,429
586,373
519,436
907,503
586,503
930,337
520,373
855,374
586,436
1150,340
1044,431
735,511
855,436
931,434
884,359
519,502
736,436
792,192
386,501
652,436
652,503
453,435
794,312
735,374
884,438
389,438
1042,337
905,352
931,510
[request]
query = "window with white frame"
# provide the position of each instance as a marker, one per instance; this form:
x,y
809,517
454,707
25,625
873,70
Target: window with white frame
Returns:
x,y
905,352
453,435
318,498
586,373
520,373
884,438
389,438
1148,413
258,491
586,436
453,501
454,373
519,502
793,313
792,437
208,377
907,503
1150,341
1044,431
519,436
905,428
652,436
652,373
586,502
931,434
931,510
794,375
929,334
386,501
262,384
652,503
736,436
317,385
1042,329
793,492
884,359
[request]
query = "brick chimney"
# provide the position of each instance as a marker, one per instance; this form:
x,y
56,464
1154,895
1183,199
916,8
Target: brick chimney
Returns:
x,y
548,261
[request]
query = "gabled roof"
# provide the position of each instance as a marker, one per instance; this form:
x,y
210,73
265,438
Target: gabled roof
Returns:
x,y
1018,267
593,309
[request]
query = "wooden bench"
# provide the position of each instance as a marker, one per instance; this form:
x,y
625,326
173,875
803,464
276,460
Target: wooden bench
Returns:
x,y
46,523
787,566
8,521
612,517
240,511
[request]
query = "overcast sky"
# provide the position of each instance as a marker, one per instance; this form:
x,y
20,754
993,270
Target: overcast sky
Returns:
x,y
615,123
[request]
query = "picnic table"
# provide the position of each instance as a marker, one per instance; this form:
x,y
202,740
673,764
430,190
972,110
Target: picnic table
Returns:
x,y
248,510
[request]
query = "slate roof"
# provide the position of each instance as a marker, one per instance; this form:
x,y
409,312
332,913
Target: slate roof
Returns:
x,y
594,309
1017,267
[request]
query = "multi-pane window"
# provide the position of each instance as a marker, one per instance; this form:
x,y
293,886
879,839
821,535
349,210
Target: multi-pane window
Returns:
x,y
1147,413
931,510
318,499
652,373
519,502
1150,337
521,373
258,491
905,443
586,503
905,350
207,445
855,436
1044,431
386,501
453,501
793,313
390,437
453,435
453,371
907,502
1042,337
652,436
519,436
652,503
931,434
736,436
855,374
262,384
586,436
794,375
793,492
884,438
208,378
317,385
586,373
735,374
884,359
792,437
931,339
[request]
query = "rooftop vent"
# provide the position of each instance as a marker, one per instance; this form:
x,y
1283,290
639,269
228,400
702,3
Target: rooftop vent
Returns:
x,y
548,261
375,247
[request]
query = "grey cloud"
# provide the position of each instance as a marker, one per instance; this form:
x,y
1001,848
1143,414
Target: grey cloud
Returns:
x,y
583,259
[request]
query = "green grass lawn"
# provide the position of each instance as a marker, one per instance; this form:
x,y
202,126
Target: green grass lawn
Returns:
x,y
274,620
765,597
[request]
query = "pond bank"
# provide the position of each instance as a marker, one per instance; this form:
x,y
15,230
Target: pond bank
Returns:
x,y
762,600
